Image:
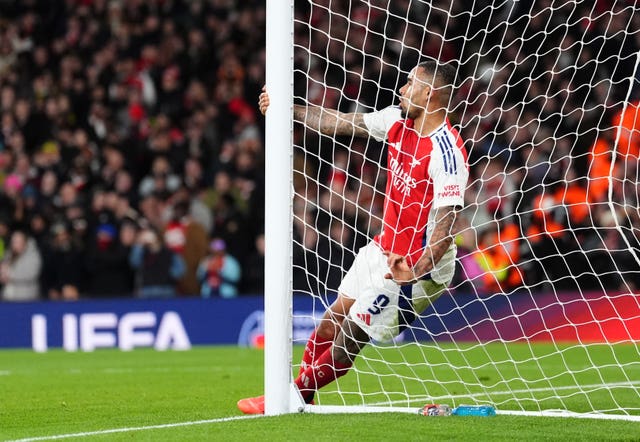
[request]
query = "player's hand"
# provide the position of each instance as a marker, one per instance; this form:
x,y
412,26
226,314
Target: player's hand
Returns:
x,y
263,101
400,271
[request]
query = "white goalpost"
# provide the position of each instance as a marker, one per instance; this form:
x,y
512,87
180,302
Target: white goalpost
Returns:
x,y
280,395
543,315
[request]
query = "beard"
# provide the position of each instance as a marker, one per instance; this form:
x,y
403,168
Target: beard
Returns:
x,y
408,114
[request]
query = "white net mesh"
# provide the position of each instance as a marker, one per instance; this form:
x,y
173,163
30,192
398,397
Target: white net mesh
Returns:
x,y
542,312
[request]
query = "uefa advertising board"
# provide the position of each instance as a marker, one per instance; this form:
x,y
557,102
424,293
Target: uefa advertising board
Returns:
x,y
179,324
175,324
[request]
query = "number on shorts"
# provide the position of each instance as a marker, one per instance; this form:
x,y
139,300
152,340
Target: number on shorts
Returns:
x,y
380,303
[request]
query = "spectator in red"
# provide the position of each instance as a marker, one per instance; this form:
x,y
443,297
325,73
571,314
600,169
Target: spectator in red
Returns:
x,y
499,255
627,121
186,237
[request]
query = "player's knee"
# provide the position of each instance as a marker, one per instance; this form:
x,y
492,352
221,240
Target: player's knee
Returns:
x,y
341,306
331,322
349,343
342,356
328,328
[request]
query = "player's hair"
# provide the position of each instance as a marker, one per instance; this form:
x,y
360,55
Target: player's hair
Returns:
x,y
442,77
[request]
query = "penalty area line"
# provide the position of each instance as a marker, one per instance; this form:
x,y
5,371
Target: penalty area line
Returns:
x,y
129,429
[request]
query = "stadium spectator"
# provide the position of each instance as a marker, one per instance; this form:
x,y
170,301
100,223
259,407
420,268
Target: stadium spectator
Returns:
x,y
499,255
253,269
469,276
20,269
127,236
599,168
545,240
63,269
306,262
5,233
158,268
627,122
610,264
231,224
186,237
107,263
219,272
161,181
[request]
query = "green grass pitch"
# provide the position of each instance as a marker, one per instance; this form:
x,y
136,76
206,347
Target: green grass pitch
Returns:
x,y
113,395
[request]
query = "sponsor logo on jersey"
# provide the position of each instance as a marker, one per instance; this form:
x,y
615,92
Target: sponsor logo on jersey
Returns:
x,y
450,190
400,179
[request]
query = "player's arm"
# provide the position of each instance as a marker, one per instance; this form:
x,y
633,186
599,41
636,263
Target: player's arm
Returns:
x,y
330,121
325,121
439,242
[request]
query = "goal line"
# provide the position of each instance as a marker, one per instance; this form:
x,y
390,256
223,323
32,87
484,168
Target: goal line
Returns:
x,y
390,407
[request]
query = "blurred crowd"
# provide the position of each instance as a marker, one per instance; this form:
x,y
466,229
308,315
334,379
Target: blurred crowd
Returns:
x,y
131,152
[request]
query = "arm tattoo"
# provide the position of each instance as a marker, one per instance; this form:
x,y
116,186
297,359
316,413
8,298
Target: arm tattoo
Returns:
x,y
330,121
440,241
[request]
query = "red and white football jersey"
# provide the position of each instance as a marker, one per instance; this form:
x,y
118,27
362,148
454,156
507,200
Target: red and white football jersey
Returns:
x,y
423,173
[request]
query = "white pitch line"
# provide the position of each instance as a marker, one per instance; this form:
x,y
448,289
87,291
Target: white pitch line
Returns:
x,y
560,413
129,429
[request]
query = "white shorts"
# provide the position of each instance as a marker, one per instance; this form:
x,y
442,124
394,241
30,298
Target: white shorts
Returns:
x,y
383,308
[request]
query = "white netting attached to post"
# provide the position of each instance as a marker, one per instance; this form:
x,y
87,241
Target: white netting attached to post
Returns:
x,y
543,312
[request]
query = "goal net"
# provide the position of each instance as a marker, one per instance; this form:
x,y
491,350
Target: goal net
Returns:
x,y
543,314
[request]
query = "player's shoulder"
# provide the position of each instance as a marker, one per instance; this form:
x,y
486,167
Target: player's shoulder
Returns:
x,y
455,131
448,134
445,139
391,113
380,122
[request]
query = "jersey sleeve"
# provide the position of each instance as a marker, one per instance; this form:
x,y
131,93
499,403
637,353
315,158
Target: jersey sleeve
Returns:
x,y
378,123
449,173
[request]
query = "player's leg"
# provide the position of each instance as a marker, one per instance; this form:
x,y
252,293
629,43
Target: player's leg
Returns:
x,y
371,313
380,316
331,322
327,330
355,281
330,325
334,362
319,343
